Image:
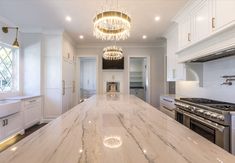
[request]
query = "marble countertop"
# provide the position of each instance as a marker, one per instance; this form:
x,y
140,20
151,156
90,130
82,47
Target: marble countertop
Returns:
x,y
115,129
22,97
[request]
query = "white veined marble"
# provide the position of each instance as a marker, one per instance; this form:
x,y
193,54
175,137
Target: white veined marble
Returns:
x,y
115,129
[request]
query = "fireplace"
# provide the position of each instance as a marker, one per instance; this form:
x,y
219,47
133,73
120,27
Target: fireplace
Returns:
x,y
113,87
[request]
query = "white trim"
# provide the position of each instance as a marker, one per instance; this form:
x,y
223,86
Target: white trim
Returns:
x,y
148,91
158,43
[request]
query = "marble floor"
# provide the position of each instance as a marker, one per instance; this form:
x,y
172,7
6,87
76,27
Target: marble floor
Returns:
x,y
14,140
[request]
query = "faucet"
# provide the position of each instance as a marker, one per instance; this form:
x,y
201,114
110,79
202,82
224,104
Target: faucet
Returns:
x,y
229,80
227,83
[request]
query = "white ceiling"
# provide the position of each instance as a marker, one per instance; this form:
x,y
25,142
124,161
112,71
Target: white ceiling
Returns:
x,y
50,14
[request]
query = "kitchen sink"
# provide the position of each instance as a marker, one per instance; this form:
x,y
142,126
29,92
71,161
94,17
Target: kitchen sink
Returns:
x,y
8,107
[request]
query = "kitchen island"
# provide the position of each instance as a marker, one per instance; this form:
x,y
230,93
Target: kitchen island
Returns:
x,y
115,128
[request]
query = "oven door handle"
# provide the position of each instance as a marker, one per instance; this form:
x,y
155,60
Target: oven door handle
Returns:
x,y
207,122
167,100
167,108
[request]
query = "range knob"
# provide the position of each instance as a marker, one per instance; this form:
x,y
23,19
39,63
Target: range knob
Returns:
x,y
208,113
192,108
200,110
220,117
214,115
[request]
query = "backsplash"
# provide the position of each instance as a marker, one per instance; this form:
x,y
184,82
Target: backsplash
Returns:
x,y
212,80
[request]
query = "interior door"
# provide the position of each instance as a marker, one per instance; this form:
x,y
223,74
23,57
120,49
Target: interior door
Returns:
x,y
87,77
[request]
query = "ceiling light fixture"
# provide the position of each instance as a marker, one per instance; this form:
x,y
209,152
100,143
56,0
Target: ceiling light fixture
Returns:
x,y
112,24
157,18
81,37
112,53
144,37
15,43
68,18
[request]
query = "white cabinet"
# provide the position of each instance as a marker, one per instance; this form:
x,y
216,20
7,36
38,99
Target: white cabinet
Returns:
x,y
1,129
32,112
175,70
68,76
223,13
11,125
202,20
185,32
59,76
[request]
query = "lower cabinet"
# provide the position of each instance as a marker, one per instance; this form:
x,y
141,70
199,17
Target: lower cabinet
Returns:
x,y
32,112
10,125
29,115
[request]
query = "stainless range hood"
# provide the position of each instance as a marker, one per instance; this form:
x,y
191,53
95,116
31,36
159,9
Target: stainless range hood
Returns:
x,y
215,56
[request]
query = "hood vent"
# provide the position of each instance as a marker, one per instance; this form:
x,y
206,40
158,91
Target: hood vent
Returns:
x,y
215,56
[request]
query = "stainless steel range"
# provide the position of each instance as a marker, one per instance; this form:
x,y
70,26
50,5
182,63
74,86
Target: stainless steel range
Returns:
x,y
209,118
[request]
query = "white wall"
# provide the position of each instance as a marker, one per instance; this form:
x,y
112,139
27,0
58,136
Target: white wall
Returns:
x,y
156,53
31,63
212,87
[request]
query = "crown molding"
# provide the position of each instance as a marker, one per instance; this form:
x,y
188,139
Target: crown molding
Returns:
x,y
160,43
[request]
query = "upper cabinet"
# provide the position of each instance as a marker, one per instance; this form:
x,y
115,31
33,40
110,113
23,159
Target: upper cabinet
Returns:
x,y
223,14
204,18
185,32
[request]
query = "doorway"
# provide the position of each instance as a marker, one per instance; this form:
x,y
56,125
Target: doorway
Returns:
x,y
87,77
139,77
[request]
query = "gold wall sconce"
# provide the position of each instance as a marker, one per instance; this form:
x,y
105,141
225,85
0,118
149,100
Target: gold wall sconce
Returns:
x,y
15,43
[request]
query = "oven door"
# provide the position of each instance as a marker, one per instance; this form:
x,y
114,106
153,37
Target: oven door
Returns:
x,y
214,132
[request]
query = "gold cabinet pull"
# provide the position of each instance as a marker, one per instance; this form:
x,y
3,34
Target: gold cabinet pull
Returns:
x,y
213,23
73,86
189,36
63,87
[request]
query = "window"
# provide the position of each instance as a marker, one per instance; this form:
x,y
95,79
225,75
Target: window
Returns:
x,y
8,68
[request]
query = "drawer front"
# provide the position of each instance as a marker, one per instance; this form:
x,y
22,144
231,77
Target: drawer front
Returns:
x,y
32,116
32,102
170,113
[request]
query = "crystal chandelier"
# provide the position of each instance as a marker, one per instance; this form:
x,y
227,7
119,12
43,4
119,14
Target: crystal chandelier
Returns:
x,y
112,53
112,24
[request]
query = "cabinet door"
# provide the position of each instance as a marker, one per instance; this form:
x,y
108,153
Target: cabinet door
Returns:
x,y
1,129
32,112
14,124
185,34
32,115
202,20
172,47
224,13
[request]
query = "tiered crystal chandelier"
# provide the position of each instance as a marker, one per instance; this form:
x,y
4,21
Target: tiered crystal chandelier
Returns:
x,y
112,24
112,53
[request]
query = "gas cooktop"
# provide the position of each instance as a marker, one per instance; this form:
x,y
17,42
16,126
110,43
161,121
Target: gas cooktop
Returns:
x,y
211,103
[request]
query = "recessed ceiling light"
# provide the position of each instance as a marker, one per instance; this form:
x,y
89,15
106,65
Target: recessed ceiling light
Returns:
x,y
81,37
157,18
68,18
144,37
